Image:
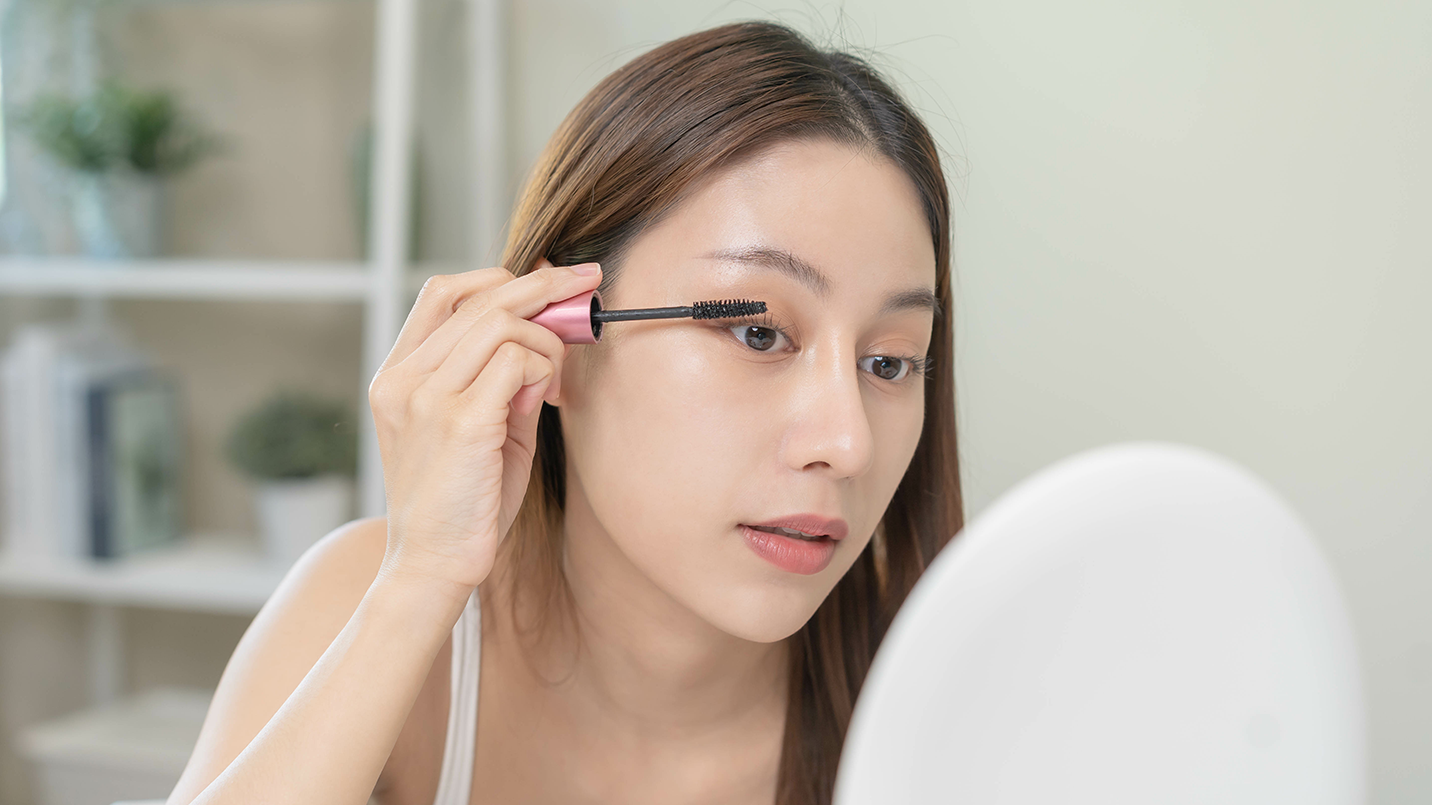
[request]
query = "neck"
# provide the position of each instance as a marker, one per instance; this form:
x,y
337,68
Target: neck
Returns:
x,y
639,662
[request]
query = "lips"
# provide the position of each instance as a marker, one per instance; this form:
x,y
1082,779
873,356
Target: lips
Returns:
x,y
808,552
811,524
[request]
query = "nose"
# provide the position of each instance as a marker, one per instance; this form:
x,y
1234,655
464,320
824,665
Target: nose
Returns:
x,y
830,426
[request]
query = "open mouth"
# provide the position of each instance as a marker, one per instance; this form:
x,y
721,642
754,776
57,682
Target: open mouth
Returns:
x,y
791,532
789,549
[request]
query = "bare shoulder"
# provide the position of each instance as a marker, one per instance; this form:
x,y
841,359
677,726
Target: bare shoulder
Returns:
x,y
312,604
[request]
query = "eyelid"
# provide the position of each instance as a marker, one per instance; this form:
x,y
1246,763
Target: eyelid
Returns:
x,y
767,319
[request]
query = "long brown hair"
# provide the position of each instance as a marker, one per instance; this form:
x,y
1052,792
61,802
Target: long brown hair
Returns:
x,y
623,159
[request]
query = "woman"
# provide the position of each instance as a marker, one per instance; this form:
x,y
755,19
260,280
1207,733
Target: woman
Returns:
x,y
610,515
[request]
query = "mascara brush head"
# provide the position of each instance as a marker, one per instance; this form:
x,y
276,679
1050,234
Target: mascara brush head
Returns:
x,y
727,309
579,319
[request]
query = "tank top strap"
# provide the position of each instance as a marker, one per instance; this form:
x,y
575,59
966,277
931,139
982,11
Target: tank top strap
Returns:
x,y
455,780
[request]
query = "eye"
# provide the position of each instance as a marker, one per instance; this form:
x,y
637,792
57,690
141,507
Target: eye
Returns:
x,y
900,368
887,367
761,335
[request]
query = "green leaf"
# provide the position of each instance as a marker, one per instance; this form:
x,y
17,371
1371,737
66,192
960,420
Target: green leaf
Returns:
x,y
116,124
295,435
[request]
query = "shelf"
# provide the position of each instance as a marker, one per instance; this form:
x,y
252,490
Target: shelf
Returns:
x,y
224,280
202,574
148,733
191,3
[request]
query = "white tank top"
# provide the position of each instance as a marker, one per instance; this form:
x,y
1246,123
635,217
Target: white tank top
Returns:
x,y
455,781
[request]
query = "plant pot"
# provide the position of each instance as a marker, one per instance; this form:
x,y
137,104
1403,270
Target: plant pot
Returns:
x,y
295,513
119,214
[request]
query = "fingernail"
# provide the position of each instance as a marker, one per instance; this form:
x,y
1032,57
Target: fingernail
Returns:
x,y
587,269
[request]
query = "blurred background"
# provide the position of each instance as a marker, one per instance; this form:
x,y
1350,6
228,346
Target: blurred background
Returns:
x,y
1203,223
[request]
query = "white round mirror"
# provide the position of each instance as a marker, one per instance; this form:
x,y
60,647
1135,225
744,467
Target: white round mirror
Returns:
x,y
1140,623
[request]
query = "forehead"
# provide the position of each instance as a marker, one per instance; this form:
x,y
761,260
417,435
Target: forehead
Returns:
x,y
852,214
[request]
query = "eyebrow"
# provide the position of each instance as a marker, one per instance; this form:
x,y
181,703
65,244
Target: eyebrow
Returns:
x,y
806,274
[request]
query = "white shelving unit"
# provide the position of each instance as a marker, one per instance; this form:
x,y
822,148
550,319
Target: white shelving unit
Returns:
x,y
205,574
227,280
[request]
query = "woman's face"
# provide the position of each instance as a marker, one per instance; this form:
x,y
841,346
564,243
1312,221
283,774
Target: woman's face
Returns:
x,y
679,432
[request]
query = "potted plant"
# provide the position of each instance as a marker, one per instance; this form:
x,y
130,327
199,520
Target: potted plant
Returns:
x,y
119,145
302,453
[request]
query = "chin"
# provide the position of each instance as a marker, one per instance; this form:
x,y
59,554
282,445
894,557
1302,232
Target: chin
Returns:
x,y
760,612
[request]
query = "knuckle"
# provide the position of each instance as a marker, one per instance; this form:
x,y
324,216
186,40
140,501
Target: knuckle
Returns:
x,y
488,325
496,318
425,403
474,306
380,391
511,353
436,286
493,276
480,301
506,321
388,400
461,291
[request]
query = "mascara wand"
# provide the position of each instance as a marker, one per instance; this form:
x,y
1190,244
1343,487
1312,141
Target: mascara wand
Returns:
x,y
579,319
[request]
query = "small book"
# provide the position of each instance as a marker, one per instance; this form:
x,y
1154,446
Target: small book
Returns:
x,y
77,371
135,463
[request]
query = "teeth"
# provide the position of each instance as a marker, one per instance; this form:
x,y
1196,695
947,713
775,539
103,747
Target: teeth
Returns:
x,y
789,532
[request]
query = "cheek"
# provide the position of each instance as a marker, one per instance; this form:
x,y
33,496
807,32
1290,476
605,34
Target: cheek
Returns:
x,y
670,430
897,433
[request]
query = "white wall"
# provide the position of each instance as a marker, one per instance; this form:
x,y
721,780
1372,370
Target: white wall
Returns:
x,y
1198,222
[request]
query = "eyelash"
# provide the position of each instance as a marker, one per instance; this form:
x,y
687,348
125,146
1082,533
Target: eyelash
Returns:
x,y
920,365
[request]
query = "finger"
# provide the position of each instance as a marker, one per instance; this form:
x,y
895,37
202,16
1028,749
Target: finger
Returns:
x,y
477,346
512,367
526,400
524,297
441,295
